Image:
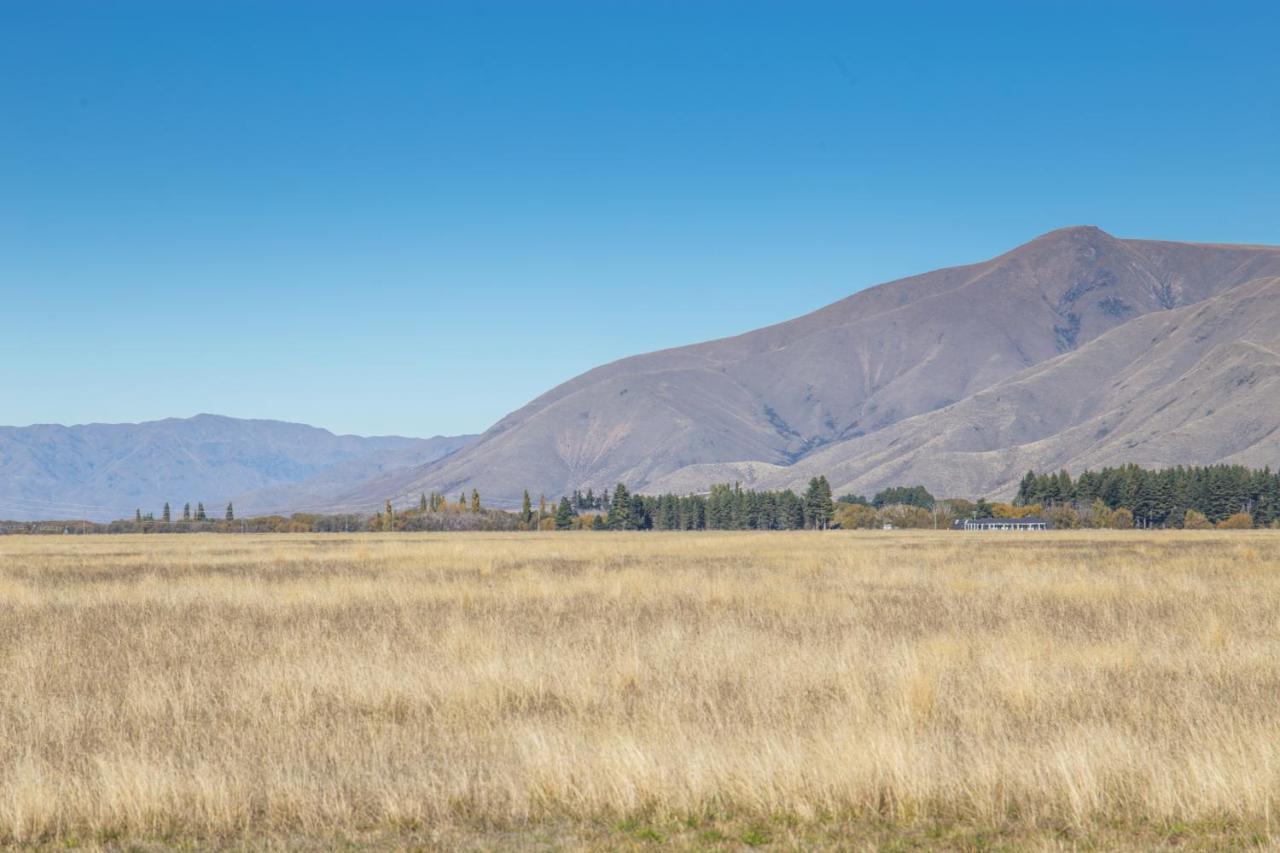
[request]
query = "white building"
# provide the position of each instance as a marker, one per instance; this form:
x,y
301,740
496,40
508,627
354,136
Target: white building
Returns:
x,y
1002,524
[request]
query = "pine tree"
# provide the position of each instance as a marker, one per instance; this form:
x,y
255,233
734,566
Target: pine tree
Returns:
x,y
462,501
564,515
165,516
1026,490
1086,487
810,501
1066,489
186,511
422,503
200,516
620,509
231,513
826,507
669,515
137,515
526,509
640,517
818,505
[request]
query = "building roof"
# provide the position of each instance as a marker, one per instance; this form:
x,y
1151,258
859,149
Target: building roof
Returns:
x,y
1031,519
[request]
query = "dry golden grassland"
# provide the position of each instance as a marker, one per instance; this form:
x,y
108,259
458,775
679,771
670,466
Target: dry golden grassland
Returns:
x,y
603,690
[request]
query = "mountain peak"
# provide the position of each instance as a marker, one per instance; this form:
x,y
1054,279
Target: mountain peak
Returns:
x,y
1071,237
1078,232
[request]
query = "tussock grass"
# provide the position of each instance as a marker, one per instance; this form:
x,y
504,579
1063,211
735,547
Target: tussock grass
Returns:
x,y
701,689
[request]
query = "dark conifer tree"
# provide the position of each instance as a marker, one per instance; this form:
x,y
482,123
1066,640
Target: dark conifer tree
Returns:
x,y
640,516
1026,490
824,506
620,509
564,515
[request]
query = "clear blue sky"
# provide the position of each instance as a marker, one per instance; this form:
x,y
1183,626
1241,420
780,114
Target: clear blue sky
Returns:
x,y
382,217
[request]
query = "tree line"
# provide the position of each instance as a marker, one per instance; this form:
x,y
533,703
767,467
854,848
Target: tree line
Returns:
x,y
724,507
1119,497
1193,496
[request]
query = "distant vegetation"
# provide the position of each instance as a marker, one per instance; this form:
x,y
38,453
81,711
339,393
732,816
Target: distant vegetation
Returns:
x,y
1128,496
1224,496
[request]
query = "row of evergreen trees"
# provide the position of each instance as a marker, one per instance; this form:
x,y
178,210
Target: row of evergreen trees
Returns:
x,y
917,496
188,514
1162,497
437,502
725,507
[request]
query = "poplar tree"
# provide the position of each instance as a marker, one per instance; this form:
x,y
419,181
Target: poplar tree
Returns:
x,y
526,508
475,500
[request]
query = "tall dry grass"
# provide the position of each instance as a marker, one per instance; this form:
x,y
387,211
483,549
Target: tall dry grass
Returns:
x,y
205,687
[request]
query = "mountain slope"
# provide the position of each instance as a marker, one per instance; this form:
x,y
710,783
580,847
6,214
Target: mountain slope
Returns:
x,y
1194,385
105,471
851,370
317,492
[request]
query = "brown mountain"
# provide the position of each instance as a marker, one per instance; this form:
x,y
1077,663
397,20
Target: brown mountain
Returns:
x,y
1072,349
1193,385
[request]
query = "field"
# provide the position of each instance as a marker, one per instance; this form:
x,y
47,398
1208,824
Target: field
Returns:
x,y
1074,689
